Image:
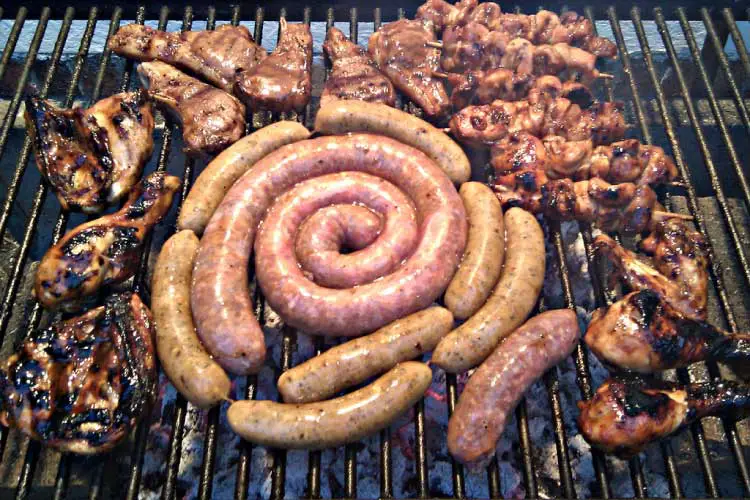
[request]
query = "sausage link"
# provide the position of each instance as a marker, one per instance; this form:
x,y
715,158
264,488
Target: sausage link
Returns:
x,y
482,263
187,364
511,301
219,175
334,422
493,391
357,360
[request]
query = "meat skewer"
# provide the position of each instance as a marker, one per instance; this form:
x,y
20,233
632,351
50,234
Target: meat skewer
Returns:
x,y
626,414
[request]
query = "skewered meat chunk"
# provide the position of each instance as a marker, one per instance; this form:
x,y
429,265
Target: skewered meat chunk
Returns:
x,y
644,333
103,251
282,82
211,118
217,56
92,157
626,414
353,73
401,52
80,385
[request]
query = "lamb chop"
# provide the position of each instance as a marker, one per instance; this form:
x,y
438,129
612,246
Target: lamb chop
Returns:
x,y
644,333
103,251
282,82
626,414
353,73
211,118
92,157
217,56
401,51
80,385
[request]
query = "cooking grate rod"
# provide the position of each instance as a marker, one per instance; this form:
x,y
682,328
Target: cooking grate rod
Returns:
x,y
10,44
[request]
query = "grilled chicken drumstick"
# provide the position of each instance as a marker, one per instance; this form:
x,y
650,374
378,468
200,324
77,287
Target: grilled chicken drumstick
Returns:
x,y
92,157
81,385
217,56
353,73
103,251
401,51
282,81
626,414
211,118
644,333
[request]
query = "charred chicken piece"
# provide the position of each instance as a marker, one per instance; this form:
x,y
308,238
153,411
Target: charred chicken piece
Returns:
x,y
80,385
539,115
92,157
644,333
401,52
626,414
353,73
217,56
282,82
211,118
103,251
439,14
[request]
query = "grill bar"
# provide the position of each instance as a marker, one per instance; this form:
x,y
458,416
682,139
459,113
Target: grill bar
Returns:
x,y
10,44
739,42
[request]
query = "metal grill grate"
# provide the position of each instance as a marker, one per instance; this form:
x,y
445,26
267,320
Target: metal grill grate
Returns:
x,y
648,105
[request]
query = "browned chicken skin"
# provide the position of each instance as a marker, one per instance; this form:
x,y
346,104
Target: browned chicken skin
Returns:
x,y
80,385
282,82
217,56
626,414
401,52
353,73
92,157
103,251
211,119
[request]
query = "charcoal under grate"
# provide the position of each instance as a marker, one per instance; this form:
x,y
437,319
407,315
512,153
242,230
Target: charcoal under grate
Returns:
x,y
687,97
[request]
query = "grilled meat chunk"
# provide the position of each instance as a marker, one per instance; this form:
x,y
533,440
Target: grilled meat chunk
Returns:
x,y
80,385
103,251
92,157
401,52
644,333
211,118
282,82
217,56
626,414
353,73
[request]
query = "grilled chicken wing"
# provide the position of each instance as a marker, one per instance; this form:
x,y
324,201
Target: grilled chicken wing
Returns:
x,y
626,414
401,52
80,385
643,333
282,82
217,56
353,73
92,157
103,251
211,118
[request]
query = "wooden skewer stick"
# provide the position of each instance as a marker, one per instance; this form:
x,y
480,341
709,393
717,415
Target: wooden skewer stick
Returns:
x,y
436,45
661,215
439,74
445,129
606,76
229,400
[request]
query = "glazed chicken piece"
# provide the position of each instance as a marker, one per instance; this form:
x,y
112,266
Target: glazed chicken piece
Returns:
x,y
643,333
626,414
353,73
104,251
401,52
211,119
282,82
679,274
217,56
92,157
440,14
80,385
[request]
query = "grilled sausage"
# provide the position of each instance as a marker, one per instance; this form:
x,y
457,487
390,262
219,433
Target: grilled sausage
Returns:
x,y
511,301
482,263
214,182
332,423
342,117
187,364
357,360
493,391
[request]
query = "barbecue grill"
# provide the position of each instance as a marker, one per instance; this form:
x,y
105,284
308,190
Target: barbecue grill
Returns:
x,y
682,90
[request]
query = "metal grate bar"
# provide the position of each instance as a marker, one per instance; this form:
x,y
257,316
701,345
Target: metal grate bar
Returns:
x,y
457,469
10,44
739,42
